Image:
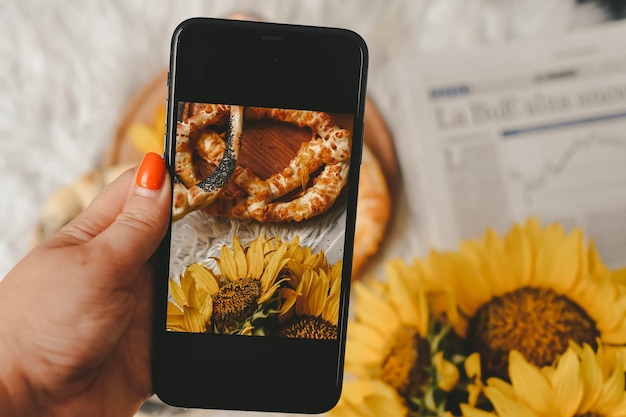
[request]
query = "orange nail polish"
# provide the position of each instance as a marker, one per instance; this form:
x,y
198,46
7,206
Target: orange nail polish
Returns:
x,y
151,172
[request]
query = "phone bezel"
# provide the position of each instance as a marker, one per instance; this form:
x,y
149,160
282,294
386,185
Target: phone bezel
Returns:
x,y
267,65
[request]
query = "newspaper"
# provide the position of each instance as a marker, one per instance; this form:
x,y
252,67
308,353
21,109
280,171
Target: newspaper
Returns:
x,y
502,133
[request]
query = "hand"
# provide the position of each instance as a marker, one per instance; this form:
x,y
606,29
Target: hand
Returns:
x,y
75,314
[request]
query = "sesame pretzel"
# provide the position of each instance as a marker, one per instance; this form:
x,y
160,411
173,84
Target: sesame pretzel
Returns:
x,y
329,147
189,193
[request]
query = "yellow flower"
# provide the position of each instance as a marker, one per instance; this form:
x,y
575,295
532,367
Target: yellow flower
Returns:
x,y
582,383
249,278
534,290
392,340
310,301
192,307
312,308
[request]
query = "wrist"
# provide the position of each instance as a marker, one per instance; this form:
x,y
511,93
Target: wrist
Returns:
x,y
15,392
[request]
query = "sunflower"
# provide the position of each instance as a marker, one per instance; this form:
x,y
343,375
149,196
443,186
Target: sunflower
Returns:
x,y
395,340
192,307
311,310
249,279
535,290
582,383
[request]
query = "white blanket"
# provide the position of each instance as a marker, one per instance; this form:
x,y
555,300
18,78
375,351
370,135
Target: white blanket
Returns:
x,y
68,68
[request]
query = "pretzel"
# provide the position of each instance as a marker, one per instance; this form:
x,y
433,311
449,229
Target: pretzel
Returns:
x,y
329,146
189,193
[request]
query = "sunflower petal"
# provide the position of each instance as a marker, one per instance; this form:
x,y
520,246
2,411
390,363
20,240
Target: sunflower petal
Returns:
x,y
618,410
241,264
497,264
362,360
472,365
567,384
173,310
506,406
255,258
548,258
364,335
227,264
529,384
447,372
206,309
519,252
613,325
193,321
204,278
504,387
176,323
462,271
612,392
374,311
331,312
424,316
390,403
619,276
288,297
567,264
596,266
317,296
177,293
192,295
402,299
274,266
591,374
186,280
468,411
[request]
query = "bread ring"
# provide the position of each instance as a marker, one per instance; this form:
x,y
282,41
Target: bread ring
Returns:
x,y
190,194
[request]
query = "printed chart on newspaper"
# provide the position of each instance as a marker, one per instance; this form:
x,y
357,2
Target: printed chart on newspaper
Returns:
x,y
532,129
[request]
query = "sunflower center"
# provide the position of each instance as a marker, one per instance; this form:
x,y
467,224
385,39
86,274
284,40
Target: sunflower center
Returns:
x,y
537,322
235,303
405,366
308,327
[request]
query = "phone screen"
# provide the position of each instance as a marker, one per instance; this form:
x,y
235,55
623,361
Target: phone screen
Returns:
x,y
258,221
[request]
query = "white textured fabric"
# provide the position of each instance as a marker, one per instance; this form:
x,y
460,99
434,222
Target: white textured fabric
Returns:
x,y
198,238
68,68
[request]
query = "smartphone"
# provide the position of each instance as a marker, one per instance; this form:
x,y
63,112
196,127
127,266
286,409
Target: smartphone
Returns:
x,y
263,143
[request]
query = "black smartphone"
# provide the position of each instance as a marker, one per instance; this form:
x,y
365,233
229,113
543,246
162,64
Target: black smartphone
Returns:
x,y
264,141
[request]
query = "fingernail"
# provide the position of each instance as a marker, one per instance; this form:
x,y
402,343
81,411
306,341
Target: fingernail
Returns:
x,y
151,172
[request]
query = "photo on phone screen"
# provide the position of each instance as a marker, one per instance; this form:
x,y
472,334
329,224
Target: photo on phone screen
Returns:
x,y
258,221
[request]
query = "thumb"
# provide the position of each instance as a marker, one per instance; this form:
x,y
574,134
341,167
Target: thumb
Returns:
x,y
131,239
